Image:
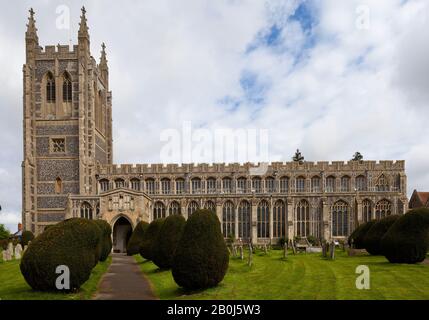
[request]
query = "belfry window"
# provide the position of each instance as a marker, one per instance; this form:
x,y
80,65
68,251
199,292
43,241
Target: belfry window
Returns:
x,y
50,88
67,88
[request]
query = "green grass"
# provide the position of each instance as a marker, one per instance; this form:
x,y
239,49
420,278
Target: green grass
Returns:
x,y
14,287
302,276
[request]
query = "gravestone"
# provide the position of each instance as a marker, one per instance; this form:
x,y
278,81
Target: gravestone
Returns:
x,y
250,259
352,243
18,251
293,247
324,249
265,248
241,252
4,255
10,251
332,250
285,250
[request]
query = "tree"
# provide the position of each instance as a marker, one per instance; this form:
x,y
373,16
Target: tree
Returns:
x,y
27,236
133,246
298,157
357,237
4,233
372,239
357,156
201,258
149,238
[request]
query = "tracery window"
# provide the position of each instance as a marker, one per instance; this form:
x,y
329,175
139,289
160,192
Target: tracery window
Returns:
x,y
165,186
300,184
263,222
196,185
382,184
257,185
150,186
366,210
241,185
86,211
180,186
50,88
227,185
228,219
104,185
279,219
382,209
119,183
192,207
315,184
210,205
345,184
330,184
244,220
211,185
174,208
340,219
270,185
303,218
135,184
158,210
361,183
284,184
67,88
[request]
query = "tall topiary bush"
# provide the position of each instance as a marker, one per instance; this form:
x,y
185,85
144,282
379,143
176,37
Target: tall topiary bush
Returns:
x,y
72,243
372,239
27,236
407,240
358,235
201,258
105,245
133,246
166,243
149,238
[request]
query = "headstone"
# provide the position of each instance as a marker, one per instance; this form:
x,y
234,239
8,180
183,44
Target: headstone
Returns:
x,y
250,259
10,251
25,249
234,250
285,250
241,252
332,250
324,249
265,248
18,251
293,247
352,243
4,255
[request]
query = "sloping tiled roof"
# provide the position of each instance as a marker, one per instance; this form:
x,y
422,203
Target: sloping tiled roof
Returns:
x,y
424,197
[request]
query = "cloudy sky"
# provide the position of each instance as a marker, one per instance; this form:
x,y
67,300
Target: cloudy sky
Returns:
x,y
328,77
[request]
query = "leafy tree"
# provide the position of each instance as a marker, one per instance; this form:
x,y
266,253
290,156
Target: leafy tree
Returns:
x,y
4,233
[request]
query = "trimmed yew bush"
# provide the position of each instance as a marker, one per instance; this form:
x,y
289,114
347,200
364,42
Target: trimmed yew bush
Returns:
x,y
372,239
73,243
149,238
105,245
407,240
358,235
201,258
166,243
133,246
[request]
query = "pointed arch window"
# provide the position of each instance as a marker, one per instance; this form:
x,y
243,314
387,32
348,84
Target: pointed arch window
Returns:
x,y
210,205
58,185
279,219
366,210
192,207
244,218
382,184
228,219
382,209
50,88
211,185
158,210
263,222
340,219
174,208
67,88
303,218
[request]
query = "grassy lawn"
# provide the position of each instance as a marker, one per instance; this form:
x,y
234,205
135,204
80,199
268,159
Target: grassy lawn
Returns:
x,y
14,287
303,276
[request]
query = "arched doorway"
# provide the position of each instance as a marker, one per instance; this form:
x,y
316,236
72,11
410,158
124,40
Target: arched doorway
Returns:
x,y
121,234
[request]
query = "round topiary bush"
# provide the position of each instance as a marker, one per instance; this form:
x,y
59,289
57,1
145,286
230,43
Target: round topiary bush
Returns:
x,y
165,245
407,240
133,246
201,258
27,236
149,238
358,235
105,245
372,239
72,243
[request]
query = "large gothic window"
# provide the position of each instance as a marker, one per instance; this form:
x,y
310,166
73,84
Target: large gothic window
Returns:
x,y
86,211
158,210
279,219
366,210
135,184
228,219
382,184
180,186
210,205
361,183
303,219
257,184
315,184
119,183
165,186
150,186
174,208
383,209
244,218
211,185
192,207
263,222
67,88
330,184
284,184
196,185
345,184
340,219
50,88
241,185
300,184
270,185
227,185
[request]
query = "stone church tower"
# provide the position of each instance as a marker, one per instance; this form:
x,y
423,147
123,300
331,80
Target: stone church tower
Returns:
x,y
67,124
